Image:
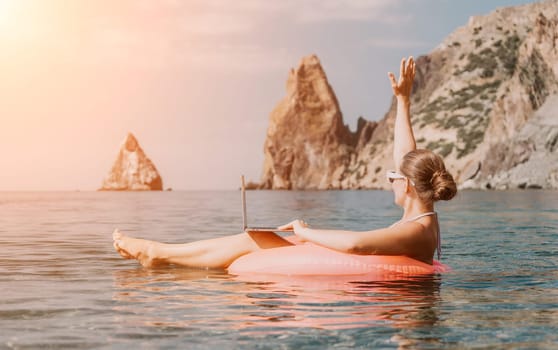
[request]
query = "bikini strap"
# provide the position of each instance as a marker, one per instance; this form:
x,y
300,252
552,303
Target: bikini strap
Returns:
x,y
421,216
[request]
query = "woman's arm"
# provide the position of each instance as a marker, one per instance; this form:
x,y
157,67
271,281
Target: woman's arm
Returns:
x,y
403,138
385,241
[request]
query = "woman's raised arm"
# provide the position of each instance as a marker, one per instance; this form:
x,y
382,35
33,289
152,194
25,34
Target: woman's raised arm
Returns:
x,y
403,138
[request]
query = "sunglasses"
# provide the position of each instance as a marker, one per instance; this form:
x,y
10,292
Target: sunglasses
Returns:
x,y
392,175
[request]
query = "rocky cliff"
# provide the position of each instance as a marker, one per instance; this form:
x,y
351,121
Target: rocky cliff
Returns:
x,y
132,170
306,140
475,102
527,160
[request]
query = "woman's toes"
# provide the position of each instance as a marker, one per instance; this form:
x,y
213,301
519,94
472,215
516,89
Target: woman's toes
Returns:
x,y
133,248
116,234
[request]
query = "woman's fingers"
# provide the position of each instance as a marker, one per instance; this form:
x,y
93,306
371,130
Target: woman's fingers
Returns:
x,y
403,85
286,226
294,225
392,79
290,225
411,68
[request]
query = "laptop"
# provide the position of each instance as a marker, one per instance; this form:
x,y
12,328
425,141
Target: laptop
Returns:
x,y
245,226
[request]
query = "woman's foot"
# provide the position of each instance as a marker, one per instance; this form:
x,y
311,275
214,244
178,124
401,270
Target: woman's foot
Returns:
x,y
134,248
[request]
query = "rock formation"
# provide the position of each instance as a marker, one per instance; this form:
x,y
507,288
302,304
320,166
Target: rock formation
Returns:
x,y
306,140
132,170
475,102
527,160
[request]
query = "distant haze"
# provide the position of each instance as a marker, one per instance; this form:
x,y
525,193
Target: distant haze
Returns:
x,y
195,81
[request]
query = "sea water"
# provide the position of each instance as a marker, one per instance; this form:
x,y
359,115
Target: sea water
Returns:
x,y
62,285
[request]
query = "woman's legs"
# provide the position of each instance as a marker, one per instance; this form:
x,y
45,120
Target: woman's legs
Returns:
x,y
209,253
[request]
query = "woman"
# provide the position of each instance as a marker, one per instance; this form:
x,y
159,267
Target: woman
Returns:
x,y
421,180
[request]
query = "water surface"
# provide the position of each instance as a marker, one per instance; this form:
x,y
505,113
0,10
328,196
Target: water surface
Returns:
x,y
63,286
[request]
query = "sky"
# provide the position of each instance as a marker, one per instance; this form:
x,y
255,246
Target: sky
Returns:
x,y
193,80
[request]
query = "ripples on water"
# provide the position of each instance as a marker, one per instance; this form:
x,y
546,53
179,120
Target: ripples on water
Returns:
x,y
63,285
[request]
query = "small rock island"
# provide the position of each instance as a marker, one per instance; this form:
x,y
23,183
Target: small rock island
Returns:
x,y
132,170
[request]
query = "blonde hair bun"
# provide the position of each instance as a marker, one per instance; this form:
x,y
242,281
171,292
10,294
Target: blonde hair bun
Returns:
x,y
427,170
443,186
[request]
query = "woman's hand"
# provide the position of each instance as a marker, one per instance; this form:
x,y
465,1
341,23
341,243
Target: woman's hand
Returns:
x,y
403,87
296,225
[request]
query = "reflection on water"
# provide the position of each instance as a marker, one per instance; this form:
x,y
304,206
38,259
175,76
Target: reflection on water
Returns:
x,y
186,298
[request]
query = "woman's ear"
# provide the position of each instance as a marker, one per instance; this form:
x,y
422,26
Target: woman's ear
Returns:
x,y
407,187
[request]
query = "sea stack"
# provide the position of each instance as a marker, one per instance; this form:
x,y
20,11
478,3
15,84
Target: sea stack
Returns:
x,y
306,140
132,170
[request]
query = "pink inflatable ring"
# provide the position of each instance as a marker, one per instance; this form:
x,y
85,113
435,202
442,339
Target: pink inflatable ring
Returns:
x,y
309,259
